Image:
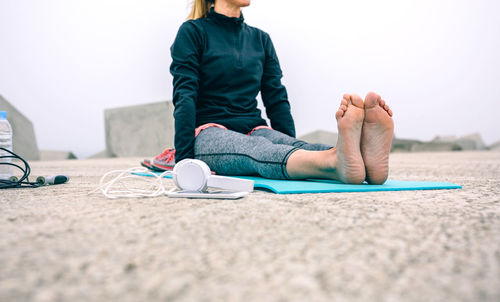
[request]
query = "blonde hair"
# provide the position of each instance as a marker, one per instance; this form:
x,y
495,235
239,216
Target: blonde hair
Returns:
x,y
199,9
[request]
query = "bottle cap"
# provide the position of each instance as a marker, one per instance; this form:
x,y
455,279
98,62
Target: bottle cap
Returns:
x,y
3,115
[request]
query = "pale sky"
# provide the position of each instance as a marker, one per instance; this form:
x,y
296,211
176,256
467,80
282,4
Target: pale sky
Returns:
x,y
436,62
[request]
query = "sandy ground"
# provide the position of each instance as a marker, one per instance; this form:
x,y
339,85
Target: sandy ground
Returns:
x,y
60,244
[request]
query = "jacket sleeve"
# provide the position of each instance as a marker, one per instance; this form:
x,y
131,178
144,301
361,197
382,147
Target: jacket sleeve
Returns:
x,y
186,53
274,95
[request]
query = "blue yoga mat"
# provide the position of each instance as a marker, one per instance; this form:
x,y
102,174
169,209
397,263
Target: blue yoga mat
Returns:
x,y
331,186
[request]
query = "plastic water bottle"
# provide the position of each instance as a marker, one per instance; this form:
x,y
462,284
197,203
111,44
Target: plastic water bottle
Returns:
x,y
5,142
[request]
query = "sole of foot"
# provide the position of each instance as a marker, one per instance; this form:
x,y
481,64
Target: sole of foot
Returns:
x,y
376,138
350,115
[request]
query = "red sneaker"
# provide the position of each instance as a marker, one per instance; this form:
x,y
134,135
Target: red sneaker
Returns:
x,y
165,161
147,163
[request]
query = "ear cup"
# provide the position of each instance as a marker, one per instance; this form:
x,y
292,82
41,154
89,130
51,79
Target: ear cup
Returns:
x,y
195,175
191,175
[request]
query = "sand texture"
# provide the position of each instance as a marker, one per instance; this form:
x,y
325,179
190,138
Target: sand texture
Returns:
x,y
59,244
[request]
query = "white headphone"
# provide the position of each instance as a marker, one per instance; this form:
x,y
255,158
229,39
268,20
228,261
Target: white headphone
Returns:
x,y
194,175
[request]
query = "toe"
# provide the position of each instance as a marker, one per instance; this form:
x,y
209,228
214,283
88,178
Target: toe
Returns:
x,y
371,99
357,101
339,114
343,102
343,107
386,107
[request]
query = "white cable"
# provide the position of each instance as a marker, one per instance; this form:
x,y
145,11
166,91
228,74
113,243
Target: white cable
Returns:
x,y
118,176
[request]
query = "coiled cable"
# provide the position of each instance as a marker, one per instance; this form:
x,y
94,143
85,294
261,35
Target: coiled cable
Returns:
x,y
116,184
13,182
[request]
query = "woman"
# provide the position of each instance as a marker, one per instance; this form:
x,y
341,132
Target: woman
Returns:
x,y
219,65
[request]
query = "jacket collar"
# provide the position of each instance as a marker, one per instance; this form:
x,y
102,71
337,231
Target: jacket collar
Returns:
x,y
225,19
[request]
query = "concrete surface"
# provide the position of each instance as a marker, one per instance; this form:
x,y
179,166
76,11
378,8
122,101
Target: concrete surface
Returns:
x,y
24,139
60,244
142,130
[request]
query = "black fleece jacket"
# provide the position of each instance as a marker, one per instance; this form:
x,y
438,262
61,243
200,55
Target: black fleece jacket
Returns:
x,y
219,65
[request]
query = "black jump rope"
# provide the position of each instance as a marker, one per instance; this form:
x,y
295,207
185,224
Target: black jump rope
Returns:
x,y
24,182
14,182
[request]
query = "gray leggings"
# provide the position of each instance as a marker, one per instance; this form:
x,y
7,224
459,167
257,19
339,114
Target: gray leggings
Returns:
x,y
264,152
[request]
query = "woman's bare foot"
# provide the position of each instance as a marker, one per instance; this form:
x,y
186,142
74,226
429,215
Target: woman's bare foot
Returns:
x,y
376,138
350,167
344,162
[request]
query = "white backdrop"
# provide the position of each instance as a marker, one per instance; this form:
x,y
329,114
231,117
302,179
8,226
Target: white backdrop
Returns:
x,y
437,63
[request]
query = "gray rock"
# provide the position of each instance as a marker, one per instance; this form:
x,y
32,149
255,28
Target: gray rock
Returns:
x,y
472,141
435,147
320,137
102,154
495,146
403,145
445,139
24,139
142,130
46,155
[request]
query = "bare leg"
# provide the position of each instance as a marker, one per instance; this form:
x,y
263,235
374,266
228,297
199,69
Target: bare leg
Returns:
x,y
344,162
376,139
